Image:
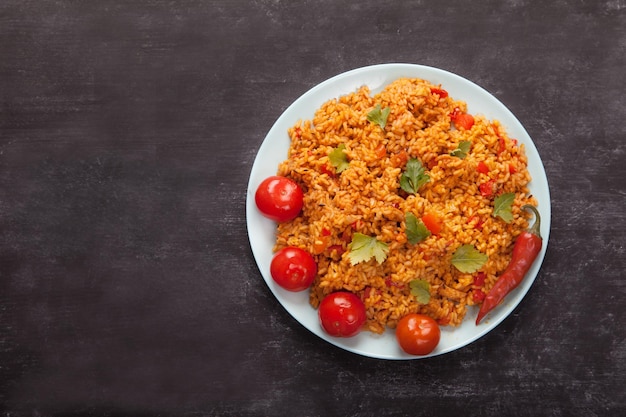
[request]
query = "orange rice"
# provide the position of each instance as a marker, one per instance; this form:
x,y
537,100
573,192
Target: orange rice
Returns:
x,y
367,198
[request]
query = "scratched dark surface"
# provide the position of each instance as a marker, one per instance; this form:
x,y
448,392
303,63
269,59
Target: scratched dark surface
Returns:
x,y
127,133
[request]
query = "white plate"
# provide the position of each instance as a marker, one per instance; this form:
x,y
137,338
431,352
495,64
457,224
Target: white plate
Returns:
x,y
261,231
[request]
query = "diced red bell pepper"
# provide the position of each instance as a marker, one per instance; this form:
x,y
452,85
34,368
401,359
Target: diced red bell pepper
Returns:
x,y
440,92
479,222
501,145
391,283
478,296
482,168
337,248
487,188
479,280
464,120
330,171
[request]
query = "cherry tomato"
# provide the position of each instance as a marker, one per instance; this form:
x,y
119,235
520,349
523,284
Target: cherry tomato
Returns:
x,y
279,198
293,268
342,314
418,334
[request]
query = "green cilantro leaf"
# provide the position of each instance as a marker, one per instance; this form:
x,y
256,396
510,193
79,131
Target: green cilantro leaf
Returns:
x,y
502,206
363,248
468,259
414,176
416,230
339,159
379,116
462,150
421,290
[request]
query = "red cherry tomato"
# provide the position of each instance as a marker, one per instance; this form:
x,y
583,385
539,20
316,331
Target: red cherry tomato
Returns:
x,y
279,198
418,334
293,268
342,314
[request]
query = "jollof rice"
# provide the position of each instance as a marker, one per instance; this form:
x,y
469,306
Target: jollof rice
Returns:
x,y
367,198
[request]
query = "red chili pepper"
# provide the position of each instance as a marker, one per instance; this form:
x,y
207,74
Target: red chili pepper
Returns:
x,y
527,247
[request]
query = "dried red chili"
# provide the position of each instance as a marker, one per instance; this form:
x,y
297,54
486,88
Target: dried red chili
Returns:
x,y
527,247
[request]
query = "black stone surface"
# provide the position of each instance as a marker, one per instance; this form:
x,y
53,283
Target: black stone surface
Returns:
x,y
127,133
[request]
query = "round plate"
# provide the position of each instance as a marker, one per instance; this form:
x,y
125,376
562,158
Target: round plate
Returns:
x,y
261,231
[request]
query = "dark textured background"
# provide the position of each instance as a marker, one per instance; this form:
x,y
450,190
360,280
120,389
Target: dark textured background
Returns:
x,y
127,133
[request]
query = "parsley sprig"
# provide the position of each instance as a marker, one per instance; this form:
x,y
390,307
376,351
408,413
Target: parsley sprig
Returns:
x,y
363,248
502,206
414,176
339,159
416,230
379,115
468,259
421,290
462,149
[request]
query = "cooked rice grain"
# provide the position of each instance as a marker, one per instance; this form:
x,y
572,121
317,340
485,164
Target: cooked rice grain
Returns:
x,y
367,198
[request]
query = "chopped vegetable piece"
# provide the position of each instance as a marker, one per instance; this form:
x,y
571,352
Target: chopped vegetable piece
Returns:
x,y
502,206
399,159
464,121
339,159
380,151
432,222
421,290
501,145
416,230
439,91
414,176
462,150
487,188
320,244
468,259
328,170
363,248
482,168
379,116
479,281
478,295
